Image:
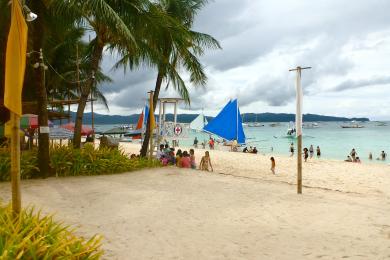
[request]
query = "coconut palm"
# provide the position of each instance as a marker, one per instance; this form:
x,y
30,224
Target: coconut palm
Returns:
x,y
179,51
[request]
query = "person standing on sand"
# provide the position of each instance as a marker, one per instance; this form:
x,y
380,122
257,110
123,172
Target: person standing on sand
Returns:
x,y
318,152
311,150
370,156
205,162
305,154
273,165
292,149
383,155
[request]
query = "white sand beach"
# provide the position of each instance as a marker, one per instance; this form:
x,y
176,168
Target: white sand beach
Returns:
x,y
241,211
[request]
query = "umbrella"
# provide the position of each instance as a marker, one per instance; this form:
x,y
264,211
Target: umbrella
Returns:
x,y
30,121
60,133
85,130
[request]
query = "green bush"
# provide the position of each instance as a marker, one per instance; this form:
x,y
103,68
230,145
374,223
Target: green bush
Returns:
x,y
67,161
33,236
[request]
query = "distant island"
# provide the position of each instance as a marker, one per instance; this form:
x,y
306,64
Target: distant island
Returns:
x,y
101,119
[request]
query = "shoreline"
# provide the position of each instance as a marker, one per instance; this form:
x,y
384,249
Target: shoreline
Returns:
x,y
322,173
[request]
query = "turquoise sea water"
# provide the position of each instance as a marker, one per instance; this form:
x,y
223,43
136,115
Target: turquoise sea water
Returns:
x,y
335,142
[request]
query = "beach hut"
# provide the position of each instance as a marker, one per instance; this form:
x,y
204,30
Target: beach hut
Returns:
x,y
228,123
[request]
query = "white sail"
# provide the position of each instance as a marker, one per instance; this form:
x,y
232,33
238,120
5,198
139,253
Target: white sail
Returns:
x,y
198,123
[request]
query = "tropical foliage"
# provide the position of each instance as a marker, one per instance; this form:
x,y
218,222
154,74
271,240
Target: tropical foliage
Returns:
x,y
31,235
67,161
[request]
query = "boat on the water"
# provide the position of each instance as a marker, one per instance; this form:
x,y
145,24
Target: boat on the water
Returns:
x,y
310,125
291,131
198,123
228,124
353,124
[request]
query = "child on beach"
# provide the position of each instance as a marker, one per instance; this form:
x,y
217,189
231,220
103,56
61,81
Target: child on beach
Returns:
x,y
192,158
205,162
273,165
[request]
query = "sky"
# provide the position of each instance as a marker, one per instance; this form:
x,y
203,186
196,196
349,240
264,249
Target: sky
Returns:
x,y
346,42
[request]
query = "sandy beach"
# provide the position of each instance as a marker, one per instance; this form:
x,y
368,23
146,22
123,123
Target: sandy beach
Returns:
x,y
240,211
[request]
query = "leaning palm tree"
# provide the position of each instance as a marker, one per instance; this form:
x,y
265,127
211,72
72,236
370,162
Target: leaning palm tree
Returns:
x,y
115,24
179,51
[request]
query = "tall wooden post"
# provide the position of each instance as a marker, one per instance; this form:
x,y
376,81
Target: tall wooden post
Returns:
x,y
15,163
298,127
151,109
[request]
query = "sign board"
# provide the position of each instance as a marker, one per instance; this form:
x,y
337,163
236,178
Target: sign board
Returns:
x,y
44,130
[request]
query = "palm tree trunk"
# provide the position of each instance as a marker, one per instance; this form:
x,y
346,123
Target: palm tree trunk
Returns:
x,y
86,90
39,80
157,88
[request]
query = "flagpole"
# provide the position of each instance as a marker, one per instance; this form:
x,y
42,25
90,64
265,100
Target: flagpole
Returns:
x,y
15,163
298,125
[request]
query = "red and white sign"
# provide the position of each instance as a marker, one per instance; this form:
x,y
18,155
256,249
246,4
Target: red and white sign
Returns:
x,y
178,130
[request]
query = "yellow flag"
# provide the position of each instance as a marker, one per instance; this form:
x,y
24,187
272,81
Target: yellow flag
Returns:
x,y
151,113
15,61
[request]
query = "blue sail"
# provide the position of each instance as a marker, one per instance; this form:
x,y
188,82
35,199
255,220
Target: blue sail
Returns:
x,y
146,115
228,123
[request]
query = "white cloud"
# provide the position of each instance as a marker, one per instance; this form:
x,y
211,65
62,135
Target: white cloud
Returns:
x,y
346,42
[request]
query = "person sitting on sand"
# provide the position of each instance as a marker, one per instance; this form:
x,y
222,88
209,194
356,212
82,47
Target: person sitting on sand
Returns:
x,y
185,160
234,146
205,162
192,158
254,150
273,165
179,155
160,152
353,154
357,160
245,150
348,159
167,149
305,154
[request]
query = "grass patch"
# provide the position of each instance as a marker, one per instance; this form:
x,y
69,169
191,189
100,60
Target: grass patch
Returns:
x,y
30,235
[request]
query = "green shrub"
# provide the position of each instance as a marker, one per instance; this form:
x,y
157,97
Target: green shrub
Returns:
x,y
33,236
67,161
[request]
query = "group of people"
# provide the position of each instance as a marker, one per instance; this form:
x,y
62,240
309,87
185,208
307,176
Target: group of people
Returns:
x,y
182,159
352,157
307,152
250,150
211,143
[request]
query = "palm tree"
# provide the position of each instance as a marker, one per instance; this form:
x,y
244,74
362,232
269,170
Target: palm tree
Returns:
x,y
106,19
179,50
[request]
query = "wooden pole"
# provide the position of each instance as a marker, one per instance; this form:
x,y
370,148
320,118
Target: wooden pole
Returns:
x,y
15,163
92,119
298,121
159,123
151,149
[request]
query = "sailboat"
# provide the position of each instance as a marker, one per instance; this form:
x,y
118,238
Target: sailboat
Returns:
x,y
137,133
198,123
228,123
255,124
